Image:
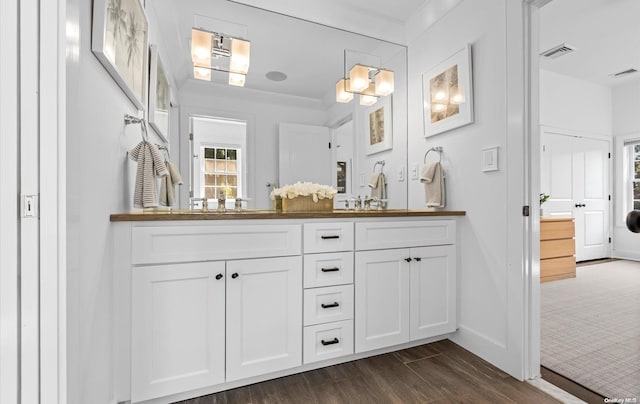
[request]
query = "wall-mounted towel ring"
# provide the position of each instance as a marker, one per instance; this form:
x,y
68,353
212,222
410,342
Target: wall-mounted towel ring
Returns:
x,y
437,149
381,163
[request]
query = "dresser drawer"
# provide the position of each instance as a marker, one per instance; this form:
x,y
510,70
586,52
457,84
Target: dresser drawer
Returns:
x,y
326,341
557,248
400,234
328,237
556,229
553,267
167,244
328,269
334,303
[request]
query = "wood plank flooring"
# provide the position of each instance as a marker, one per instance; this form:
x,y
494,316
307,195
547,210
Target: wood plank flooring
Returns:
x,y
441,372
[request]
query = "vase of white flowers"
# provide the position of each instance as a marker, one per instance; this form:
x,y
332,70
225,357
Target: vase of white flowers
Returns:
x,y
304,197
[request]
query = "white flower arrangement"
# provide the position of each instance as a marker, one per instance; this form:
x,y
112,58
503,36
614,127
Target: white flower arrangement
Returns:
x,y
317,191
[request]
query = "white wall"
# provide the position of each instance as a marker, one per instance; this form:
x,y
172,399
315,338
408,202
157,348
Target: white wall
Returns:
x,y
488,327
576,105
626,126
99,179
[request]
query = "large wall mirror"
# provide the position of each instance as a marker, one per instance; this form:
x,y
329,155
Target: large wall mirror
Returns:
x,y
284,124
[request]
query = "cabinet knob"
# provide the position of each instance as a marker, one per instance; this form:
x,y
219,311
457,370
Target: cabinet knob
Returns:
x,y
418,259
330,342
327,306
218,277
234,275
408,259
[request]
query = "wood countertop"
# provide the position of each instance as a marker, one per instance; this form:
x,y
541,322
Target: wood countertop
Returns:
x,y
183,214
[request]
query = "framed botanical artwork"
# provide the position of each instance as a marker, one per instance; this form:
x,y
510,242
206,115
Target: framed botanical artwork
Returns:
x,y
159,95
378,126
120,41
447,92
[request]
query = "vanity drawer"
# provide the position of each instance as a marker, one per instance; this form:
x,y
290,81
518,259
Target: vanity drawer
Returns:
x,y
157,244
328,237
334,303
326,341
328,269
400,234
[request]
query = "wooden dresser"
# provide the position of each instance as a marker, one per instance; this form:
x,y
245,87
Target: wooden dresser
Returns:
x,y
557,248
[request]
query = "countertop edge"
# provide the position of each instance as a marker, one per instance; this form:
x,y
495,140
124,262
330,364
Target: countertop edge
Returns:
x,y
150,216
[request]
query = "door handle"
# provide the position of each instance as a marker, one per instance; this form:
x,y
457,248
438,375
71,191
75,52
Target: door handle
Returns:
x,y
580,205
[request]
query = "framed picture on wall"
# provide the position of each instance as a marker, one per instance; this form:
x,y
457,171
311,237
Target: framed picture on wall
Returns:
x,y
120,41
378,126
447,92
159,95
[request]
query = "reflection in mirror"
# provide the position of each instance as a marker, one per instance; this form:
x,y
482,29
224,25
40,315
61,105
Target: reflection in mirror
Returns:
x,y
294,69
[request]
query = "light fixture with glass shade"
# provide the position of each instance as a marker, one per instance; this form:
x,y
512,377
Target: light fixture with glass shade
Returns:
x,y
213,51
368,81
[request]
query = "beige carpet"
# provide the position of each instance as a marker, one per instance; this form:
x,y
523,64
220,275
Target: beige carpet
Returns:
x,y
590,328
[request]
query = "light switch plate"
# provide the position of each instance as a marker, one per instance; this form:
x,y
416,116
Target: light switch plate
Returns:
x,y
363,179
490,159
401,174
414,171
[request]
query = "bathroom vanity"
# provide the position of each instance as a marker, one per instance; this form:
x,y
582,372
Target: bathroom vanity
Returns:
x,y
211,301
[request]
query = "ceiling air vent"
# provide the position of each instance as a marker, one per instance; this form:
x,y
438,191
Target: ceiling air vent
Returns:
x,y
624,73
558,51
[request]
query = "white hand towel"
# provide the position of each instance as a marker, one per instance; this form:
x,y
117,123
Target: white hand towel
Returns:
x,y
378,185
432,175
168,185
150,165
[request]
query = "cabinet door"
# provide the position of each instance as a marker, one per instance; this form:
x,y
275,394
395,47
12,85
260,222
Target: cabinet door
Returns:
x,y
177,328
433,291
264,316
382,299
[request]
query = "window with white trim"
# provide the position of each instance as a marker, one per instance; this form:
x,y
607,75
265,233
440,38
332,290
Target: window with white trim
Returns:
x,y
220,172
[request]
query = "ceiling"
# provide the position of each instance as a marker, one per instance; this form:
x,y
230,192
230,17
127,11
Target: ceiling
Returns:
x,y
311,55
605,33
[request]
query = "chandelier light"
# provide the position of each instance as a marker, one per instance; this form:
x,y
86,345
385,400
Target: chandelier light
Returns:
x,y
208,47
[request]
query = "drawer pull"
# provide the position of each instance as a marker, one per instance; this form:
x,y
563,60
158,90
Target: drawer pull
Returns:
x,y
330,305
218,277
329,237
334,269
234,275
330,342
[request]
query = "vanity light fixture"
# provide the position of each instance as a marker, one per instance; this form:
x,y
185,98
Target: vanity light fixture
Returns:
x,y
368,81
207,46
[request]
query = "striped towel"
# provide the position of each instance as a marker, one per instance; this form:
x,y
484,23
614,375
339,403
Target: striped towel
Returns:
x,y
168,185
150,165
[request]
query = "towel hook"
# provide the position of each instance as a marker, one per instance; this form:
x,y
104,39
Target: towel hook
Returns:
x,y
437,149
130,119
381,163
166,150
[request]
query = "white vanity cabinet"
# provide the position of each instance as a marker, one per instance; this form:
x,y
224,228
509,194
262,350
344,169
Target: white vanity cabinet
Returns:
x,y
199,324
207,305
404,294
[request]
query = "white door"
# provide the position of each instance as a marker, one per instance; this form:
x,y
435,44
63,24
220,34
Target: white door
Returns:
x,y
382,298
264,316
575,173
433,291
304,154
177,328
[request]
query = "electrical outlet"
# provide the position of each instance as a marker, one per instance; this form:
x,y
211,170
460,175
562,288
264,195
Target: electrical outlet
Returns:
x,y
401,174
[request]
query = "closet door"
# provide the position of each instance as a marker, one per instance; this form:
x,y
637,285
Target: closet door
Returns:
x,y
575,172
